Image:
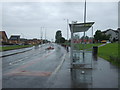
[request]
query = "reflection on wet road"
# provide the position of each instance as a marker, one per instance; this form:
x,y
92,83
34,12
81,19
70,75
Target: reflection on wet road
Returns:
x,y
31,68
40,68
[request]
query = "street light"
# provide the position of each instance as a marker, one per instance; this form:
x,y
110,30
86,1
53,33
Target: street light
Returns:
x,y
45,35
41,36
67,30
67,22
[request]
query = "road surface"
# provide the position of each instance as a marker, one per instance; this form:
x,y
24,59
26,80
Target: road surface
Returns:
x,y
32,69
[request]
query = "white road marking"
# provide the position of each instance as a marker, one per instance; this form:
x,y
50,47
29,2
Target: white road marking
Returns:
x,y
59,66
18,61
14,62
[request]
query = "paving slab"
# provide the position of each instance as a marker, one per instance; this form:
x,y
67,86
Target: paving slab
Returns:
x,y
104,75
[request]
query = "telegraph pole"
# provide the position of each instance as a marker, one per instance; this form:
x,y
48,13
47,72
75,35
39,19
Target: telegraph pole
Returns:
x,y
45,35
41,35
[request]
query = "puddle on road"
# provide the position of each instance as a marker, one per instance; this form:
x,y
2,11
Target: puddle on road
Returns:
x,y
29,73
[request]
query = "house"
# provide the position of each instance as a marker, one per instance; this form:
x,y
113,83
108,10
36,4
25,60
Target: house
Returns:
x,y
118,33
23,41
14,39
33,41
30,42
113,34
3,37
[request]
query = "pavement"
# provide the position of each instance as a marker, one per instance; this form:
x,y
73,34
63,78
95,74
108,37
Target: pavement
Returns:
x,y
104,75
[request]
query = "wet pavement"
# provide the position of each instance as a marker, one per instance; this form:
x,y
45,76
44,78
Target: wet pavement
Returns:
x,y
51,69
103,75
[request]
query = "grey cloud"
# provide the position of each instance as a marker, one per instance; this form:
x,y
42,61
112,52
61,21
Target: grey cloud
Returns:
x,y
27,17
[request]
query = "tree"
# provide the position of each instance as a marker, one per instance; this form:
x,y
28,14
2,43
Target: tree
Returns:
x,y
58,36
99,36
62,40
86,37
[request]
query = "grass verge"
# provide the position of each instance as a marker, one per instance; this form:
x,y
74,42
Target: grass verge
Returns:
x,y
110,53
12,47
86,46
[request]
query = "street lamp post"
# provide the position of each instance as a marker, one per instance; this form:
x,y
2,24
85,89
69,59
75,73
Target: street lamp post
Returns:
x,y
41,35
67,22
67,36
67,29
84,22
45,35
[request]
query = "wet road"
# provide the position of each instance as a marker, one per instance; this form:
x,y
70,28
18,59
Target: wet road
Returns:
x,y
32,69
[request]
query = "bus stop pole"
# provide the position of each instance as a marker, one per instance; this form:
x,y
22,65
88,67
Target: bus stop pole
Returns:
x,y
72,28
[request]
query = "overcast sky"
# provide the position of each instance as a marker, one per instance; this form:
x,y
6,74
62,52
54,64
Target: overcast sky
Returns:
x,y
28,19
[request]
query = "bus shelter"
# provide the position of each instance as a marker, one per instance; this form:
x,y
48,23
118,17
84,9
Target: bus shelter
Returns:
x,y
81,61
75,39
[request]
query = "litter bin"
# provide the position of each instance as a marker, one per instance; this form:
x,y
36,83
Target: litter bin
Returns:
x,y
95,50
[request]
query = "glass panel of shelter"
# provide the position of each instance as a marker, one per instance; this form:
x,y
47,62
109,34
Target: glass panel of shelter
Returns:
x,y
82,61
79,46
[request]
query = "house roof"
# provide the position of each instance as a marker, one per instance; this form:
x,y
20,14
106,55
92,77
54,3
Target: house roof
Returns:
x,y
109,30
15,37
3,33
118,29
